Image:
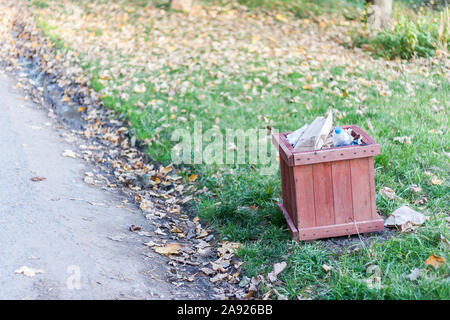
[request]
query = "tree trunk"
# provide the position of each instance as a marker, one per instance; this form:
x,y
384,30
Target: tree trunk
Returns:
x,y
379,14
182,5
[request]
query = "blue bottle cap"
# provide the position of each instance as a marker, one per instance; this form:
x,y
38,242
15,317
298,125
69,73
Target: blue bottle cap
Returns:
x,y
337,130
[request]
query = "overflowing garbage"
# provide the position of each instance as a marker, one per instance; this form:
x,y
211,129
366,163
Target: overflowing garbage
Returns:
x,y
320,134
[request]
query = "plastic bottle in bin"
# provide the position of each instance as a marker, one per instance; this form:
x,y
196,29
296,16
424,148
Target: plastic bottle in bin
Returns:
x,y
341,138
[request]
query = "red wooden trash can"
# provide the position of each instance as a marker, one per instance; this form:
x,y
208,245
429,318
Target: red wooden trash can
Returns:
x,y
329,192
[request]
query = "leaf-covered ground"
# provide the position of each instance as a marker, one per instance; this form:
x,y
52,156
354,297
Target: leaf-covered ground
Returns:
x,y
231,67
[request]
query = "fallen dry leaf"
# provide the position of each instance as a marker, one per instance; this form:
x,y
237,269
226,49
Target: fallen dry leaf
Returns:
x,y
165,170
171,248
388,193
150,244
435,261
201,233
415,188
158,231
279,295
277,269
146,205
218,277
403,140
327,267
207,271
266,296
436,181
281,18
36,179
69,153
422,200
135,228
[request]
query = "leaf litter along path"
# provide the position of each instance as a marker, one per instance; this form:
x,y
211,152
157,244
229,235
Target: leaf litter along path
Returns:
x,y
62,225
167,230
44,229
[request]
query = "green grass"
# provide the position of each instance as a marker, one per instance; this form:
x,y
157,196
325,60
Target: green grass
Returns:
x,y
398,167
41,4
241,204
227,205
49,32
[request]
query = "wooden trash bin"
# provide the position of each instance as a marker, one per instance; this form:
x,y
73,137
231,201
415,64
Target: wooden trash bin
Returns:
x,y
329,192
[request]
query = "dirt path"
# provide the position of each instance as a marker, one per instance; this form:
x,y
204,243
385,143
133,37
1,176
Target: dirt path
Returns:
x,y
61,225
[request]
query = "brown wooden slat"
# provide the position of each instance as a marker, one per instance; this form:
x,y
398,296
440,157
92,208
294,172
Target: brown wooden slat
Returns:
x,y
329,154
288,196
361,189
342,191
293,196
337,230
284,148
373,201
323,194
335,154
304,196
292,228
284,183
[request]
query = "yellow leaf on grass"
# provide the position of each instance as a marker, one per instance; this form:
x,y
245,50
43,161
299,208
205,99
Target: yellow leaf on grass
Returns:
x,y
192,177
311,86
171,248
436,181
280,17
435,261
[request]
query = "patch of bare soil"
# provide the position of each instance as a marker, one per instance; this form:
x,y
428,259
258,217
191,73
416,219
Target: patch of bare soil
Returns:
x,y
340,245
